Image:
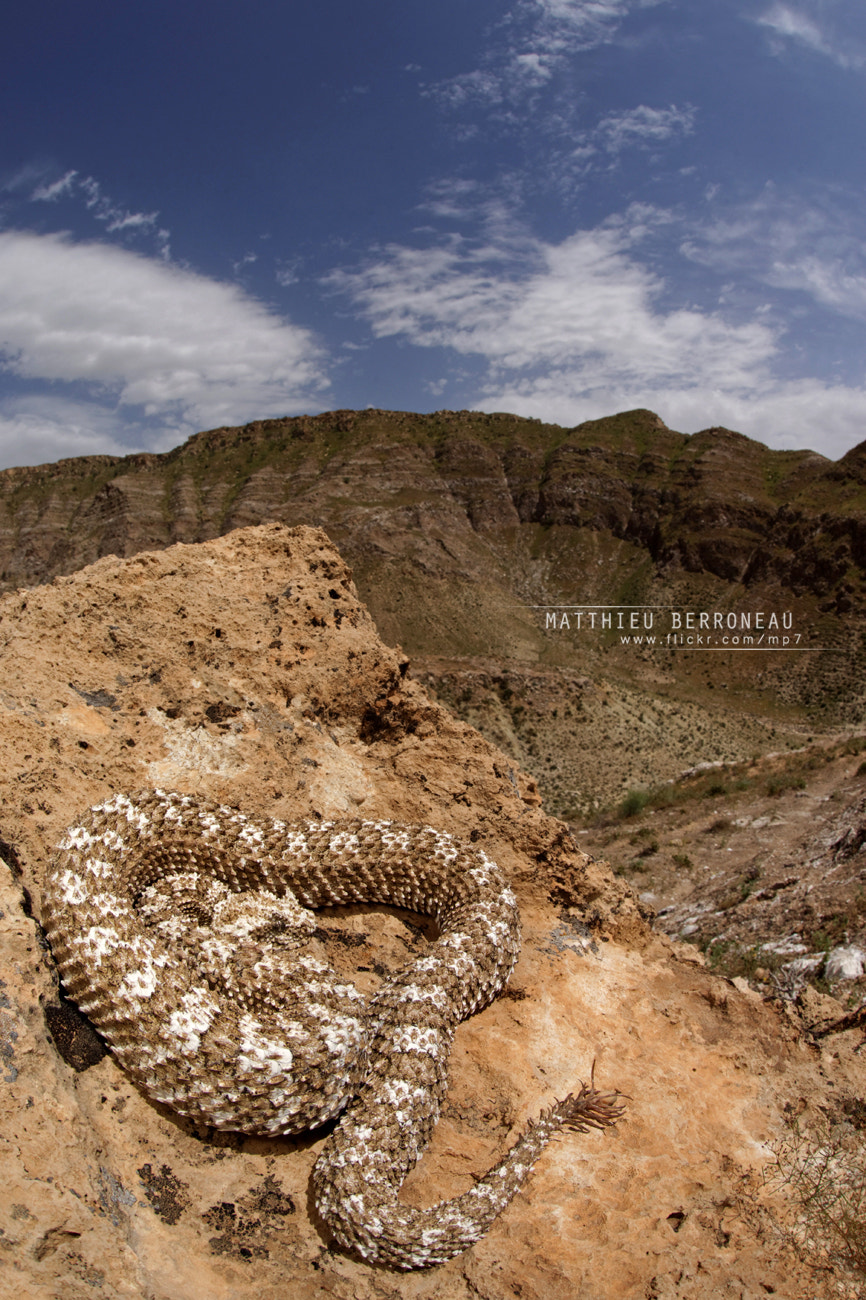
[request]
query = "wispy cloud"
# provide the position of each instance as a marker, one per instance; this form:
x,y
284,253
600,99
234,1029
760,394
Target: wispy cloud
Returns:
x,y
288,271
643,126
71,185
576,329
148,340
587,304
810,244
533,41
789,24
248,259
552,30
51,191
113,216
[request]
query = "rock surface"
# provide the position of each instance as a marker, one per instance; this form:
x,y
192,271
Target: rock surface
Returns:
x,y
246,668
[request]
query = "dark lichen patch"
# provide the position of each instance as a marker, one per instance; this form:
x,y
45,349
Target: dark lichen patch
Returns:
x,y
8,1038
269,1199
166,1193
74,1037
11,857
221,711
97,699
113,1196
88,1273
514,995
347,938
244,1228
236,1236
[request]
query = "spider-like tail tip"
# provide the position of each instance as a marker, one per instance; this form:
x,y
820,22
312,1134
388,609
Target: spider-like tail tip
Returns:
x,y
589,1108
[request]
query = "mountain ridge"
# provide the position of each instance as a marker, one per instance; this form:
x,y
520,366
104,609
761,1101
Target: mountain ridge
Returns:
x,y
627,473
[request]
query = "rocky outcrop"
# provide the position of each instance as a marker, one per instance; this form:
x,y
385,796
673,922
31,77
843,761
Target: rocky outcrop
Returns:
x,y
246,669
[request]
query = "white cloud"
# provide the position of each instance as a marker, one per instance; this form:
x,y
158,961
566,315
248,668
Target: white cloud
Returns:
x,y
101,206
786,242
562,27
50,192
805,413
248,259
643,125
288,271
586,304
790,24
36,430
575,330
535,38
32,173
105,210
477,86
87,190
826,281
158,342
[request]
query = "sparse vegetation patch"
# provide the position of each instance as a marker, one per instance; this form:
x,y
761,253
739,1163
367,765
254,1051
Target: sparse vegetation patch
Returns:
x,y
821,1172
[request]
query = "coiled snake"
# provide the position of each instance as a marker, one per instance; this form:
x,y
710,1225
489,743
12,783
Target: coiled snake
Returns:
x,y
179,927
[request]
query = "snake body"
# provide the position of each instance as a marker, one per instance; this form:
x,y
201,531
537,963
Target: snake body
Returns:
x,y
182,929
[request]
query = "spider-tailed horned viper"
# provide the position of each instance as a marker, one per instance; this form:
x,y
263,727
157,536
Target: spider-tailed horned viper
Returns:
x,y
179,927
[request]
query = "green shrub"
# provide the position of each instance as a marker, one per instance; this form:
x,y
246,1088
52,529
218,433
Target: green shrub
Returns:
x,y
634,803
787,781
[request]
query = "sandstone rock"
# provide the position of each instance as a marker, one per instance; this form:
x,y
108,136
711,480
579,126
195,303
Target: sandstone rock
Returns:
x,y
246,668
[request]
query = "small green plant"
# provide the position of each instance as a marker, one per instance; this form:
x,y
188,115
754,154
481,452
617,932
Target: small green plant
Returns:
x,y
633,803
738,891
786,781
683,860
727,957
642,835
832,932
745,887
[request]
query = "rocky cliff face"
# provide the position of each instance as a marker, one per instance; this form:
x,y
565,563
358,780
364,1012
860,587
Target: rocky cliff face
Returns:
x,y
716,502
247,669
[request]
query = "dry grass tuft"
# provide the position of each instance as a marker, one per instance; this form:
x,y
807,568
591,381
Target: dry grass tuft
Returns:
x,y
821,1172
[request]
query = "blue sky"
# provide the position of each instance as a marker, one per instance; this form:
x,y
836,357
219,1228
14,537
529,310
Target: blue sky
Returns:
x,y
564,208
